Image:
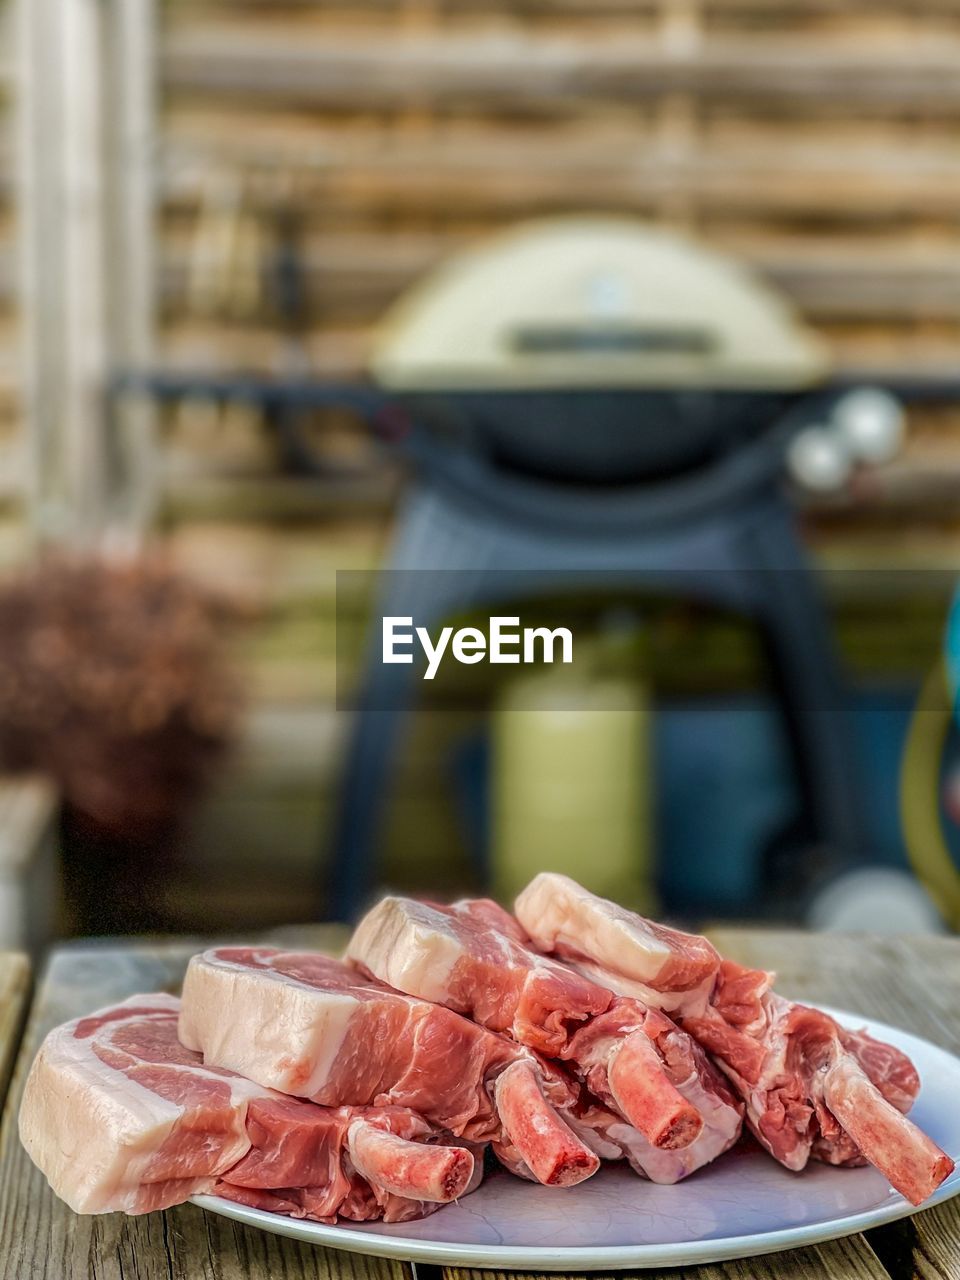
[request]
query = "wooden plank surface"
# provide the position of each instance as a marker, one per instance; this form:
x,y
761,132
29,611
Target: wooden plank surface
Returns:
x,y
347,69
632,8
357,275
29,866
850,1259
813,138
477,174
909,982
14,990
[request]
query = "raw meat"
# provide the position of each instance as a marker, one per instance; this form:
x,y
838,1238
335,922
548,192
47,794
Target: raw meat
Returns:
x,y
312,1027
665,968
814,1089
475,958
472,957
811,1088
699,1081
120,1116
360,1163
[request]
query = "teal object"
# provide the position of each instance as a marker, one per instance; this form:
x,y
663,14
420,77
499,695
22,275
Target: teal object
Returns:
x,y
952,653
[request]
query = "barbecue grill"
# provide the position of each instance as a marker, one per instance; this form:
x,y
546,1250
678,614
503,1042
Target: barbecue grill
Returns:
x,y
595,351
589,398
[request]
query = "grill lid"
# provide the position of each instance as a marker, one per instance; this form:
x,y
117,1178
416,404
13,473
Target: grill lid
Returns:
x,y
593,302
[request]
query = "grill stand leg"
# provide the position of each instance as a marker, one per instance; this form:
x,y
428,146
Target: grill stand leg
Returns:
x,y
447,558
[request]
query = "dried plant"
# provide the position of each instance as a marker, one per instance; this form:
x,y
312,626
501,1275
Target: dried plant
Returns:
x,y
113,681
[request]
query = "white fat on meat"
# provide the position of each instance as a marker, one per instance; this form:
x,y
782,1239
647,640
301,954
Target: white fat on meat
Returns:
x,y
474,958
236,1016
632,956
94,1132
409,947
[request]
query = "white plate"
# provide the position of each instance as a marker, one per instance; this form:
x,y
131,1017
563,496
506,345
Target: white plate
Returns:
x,y
741,1205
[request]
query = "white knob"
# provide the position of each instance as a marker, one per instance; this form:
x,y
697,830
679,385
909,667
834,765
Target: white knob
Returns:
x,y
871,423
878,899
819,460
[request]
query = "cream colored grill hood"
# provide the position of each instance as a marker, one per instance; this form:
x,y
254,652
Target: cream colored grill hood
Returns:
x,y
593,302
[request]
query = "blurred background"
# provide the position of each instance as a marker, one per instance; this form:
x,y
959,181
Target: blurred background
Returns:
x,y
704,337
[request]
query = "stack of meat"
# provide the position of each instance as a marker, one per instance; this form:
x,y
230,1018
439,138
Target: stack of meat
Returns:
x,y
318,1093
647,1090
571,1033
810,1087
121,1116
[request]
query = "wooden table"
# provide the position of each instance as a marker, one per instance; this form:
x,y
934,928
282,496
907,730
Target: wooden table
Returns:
x,y
914,983
14,992
29,861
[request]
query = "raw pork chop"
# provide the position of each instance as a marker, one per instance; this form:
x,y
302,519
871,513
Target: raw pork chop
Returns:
x,y
120,1116
310,1026
475,958
699,1081
811,1087
472,957
665,968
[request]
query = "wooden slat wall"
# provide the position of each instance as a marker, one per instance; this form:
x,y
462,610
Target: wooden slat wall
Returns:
x,y
816,138
12,444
